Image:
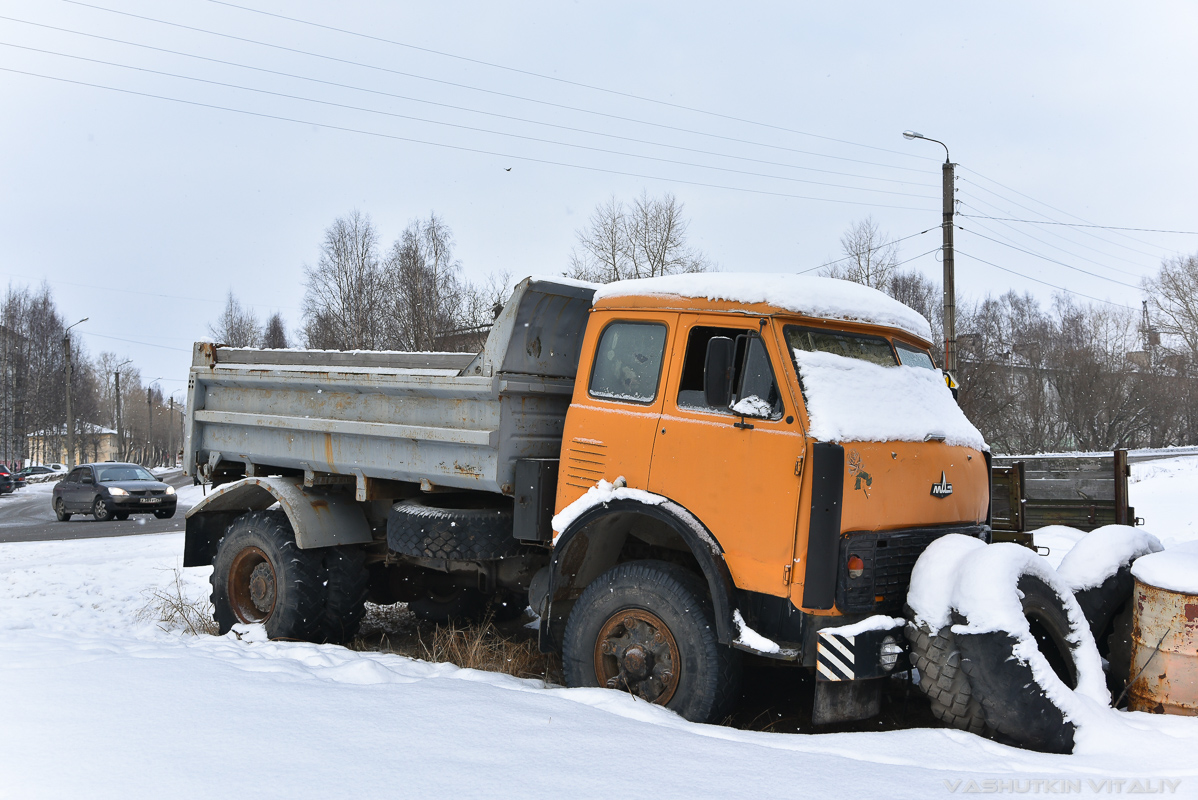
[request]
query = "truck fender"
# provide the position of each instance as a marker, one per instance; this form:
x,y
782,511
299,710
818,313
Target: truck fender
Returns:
x,y
591,545
318,519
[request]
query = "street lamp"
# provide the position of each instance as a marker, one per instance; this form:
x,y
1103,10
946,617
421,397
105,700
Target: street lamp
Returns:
x,y
66,349
120,439
950,294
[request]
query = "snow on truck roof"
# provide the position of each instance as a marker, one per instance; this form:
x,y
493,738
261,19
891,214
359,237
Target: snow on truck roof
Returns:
x,y
823,298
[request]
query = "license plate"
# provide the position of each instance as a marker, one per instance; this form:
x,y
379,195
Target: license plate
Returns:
x,y
151,500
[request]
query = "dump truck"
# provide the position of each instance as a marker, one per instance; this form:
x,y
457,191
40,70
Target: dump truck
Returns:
x,y
673,473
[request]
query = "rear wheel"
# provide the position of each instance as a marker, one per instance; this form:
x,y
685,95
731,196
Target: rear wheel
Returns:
x,y
100,510
261,576
647,628
60,511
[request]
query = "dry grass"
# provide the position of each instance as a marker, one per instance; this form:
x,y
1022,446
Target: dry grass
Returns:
x,y
510,648
172,610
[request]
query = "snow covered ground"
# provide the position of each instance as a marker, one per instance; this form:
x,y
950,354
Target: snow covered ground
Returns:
x,y
98,702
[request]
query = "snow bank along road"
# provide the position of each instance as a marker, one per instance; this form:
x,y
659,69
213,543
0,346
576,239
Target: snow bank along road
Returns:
x,y
27,516
95,702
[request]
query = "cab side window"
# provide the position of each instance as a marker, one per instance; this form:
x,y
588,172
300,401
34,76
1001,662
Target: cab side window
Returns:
x,y
76,476
628,362
754,390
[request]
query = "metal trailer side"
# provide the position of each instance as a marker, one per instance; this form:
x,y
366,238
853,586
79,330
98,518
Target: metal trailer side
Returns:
x,y
436,419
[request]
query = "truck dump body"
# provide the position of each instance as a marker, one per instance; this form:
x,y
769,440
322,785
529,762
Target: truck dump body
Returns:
x,y
447,419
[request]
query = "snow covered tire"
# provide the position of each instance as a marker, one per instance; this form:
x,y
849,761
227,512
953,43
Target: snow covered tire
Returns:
x,y
454,527
708,673
1014,702
941,679
260,575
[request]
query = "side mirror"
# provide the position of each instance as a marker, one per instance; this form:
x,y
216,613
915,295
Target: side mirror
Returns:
x,y
717,371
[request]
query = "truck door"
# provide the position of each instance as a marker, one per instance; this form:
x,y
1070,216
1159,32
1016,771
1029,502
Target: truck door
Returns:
x,y
737,471
617,400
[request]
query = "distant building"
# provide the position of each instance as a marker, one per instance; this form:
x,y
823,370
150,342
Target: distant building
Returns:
x,y
92,443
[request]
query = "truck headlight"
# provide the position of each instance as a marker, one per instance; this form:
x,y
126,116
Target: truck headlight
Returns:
x,y
889,652
117,491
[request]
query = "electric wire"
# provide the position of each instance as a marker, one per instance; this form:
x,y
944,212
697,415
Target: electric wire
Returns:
x,y
1046,258
1136,262
449,105
559,80
1037,280
472,128
459,148
480,89
879,247
1085,225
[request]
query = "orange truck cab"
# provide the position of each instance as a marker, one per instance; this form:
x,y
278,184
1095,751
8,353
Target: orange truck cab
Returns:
x,y
751,463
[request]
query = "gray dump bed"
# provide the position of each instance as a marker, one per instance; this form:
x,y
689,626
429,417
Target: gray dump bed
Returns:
x,y
451,419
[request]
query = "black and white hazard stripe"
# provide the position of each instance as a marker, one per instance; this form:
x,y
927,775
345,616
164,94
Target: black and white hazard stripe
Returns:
x,y
834,656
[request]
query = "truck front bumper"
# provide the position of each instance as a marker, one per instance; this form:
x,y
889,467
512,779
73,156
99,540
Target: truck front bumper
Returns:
x,y
872,648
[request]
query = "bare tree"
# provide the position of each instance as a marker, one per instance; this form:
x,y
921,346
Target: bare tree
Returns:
x,y
1173,297
343,303
427,297
237,325
275,335
642,241
869,258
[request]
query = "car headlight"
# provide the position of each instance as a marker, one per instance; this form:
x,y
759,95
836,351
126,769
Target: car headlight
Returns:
x,y
117,491
170,490
889,652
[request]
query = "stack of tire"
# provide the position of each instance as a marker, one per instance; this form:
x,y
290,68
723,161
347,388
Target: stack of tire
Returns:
x,y
1010,648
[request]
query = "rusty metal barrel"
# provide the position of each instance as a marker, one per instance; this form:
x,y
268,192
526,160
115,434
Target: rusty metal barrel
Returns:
x,y
1164,656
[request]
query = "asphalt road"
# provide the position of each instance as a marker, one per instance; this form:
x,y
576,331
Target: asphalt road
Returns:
x,y
26,516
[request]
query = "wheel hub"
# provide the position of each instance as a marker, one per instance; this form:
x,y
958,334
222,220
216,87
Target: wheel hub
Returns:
x,y
252,586
262,587
636,652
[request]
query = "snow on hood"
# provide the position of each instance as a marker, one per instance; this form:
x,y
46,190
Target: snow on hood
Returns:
x,y
1174,569
850,400
823,298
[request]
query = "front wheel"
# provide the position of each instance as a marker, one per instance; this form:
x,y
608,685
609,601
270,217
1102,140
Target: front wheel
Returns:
x,y
100,510
647,628
60,511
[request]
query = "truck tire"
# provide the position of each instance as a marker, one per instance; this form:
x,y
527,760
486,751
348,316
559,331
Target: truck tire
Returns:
x,y
459,527
260,575
1017,705
347,583
941,678
647,628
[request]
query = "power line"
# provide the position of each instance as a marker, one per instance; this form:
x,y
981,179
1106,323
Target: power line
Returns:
x,y
1055,247
560,80
134,341
1021,232
1045,283
1073,224
459,148
1059,211
479,89
879,247
466,127
466,109
1051,260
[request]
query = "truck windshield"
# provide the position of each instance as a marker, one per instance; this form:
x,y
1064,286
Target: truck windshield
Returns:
x,y
873,349
913,357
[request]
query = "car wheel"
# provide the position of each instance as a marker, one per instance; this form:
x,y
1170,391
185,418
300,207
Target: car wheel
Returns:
x,y
100,510
60,511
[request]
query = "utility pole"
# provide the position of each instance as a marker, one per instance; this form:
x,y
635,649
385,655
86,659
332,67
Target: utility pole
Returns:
x,y
66,349
170,434
948,207
120,437
149,425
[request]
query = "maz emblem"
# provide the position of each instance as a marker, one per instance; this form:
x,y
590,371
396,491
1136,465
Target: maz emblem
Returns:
x,y
942,489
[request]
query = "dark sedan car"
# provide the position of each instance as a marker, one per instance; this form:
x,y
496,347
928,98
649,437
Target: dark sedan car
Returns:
x,y
112,491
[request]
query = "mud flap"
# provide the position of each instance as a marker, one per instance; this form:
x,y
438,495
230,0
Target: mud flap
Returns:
x,y
846,701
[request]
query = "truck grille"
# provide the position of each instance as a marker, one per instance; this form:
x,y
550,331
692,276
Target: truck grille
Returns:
x,y
889,557
585,463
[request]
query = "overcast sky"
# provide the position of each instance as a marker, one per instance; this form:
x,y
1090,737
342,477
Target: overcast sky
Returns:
x,y
142,212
